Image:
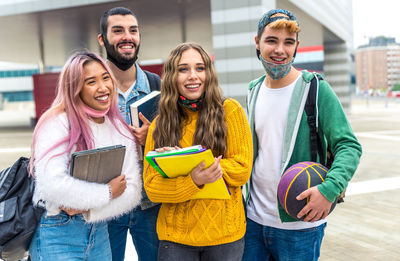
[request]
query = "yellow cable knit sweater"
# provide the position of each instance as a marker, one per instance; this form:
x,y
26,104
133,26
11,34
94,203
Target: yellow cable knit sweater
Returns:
x,y
204,222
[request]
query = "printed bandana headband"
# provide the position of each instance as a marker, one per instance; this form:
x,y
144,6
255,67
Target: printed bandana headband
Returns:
x,y
266,19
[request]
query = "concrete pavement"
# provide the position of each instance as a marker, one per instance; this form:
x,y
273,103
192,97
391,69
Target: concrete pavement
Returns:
x,y
366,227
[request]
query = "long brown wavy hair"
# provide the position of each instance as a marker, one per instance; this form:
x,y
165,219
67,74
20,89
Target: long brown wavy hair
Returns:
x,y
211,130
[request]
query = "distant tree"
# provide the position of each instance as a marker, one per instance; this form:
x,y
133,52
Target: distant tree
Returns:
x,y
396,87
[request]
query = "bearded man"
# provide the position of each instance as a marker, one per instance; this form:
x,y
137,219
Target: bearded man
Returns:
x,y
120,35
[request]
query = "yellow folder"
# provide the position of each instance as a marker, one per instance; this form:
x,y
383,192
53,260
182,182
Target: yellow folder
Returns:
x,y
182,164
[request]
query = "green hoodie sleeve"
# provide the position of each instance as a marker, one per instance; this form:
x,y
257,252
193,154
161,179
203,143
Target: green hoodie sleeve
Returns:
x,y
340,136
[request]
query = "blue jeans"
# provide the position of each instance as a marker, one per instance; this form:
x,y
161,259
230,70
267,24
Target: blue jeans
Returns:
x,y
142,227
171,251
70,238
268,243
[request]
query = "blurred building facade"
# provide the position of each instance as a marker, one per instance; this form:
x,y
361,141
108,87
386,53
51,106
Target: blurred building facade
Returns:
x,y
377,65
43,33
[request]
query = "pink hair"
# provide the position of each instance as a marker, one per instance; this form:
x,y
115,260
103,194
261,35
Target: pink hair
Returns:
x,y
68,100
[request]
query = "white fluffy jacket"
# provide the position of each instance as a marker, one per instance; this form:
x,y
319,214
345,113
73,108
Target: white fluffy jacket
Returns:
x,y
58,189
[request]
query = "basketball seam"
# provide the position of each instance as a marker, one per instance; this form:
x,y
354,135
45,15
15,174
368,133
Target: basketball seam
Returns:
x,y
309,183
288,189
294,178
318,172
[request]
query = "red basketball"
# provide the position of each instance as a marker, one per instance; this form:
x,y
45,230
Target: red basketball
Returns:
x,y
295,180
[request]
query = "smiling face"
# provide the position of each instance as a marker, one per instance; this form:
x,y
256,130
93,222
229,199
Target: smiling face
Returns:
x,y
123,38
277,45
97,88
191,75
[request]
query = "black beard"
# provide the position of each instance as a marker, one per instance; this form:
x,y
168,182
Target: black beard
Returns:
x,y
117,59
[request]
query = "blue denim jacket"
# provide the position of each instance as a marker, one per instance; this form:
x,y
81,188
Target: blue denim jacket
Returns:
x,y
141,88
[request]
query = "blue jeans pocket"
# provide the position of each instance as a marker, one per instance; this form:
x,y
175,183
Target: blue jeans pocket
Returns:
x,y
320,228
55,221
305,235
307,230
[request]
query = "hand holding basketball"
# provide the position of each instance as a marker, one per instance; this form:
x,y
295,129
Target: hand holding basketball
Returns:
x,y
298,193
318,207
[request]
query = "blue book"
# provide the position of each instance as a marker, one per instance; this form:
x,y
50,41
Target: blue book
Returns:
x,y
148,106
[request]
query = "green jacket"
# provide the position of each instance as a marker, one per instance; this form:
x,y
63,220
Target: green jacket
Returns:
x,y
332,125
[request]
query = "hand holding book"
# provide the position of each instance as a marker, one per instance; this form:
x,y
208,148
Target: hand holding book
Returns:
x,y
201,175
147,106
140,133
117,186
205,170
167,149
143,111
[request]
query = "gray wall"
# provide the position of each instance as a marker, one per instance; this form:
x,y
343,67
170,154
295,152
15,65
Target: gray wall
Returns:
x,y
65,30
226,28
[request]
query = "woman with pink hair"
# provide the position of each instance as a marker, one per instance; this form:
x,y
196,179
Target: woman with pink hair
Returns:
x,y
83,116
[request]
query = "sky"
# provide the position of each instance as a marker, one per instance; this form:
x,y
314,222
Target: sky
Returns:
x,y
375,18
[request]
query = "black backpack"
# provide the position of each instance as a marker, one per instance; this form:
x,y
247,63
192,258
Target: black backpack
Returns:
x,y
315,139
18,216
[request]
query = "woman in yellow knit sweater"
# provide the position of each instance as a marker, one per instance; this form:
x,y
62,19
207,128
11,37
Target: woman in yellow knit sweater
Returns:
x,y
192,111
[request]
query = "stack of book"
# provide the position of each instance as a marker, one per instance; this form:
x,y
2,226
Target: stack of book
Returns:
x,y
180,162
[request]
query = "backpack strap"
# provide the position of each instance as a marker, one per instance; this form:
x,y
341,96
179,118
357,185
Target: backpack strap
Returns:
x,y
154,80
312,119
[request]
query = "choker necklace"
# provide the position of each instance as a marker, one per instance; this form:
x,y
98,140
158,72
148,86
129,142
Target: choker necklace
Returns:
x,y
94,113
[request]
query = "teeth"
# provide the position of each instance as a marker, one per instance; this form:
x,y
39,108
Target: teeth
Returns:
x,y
192,86
278,59
102,98
126,47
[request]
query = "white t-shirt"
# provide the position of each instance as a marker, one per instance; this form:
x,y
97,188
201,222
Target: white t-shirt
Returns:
x,y
127,92
271,113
